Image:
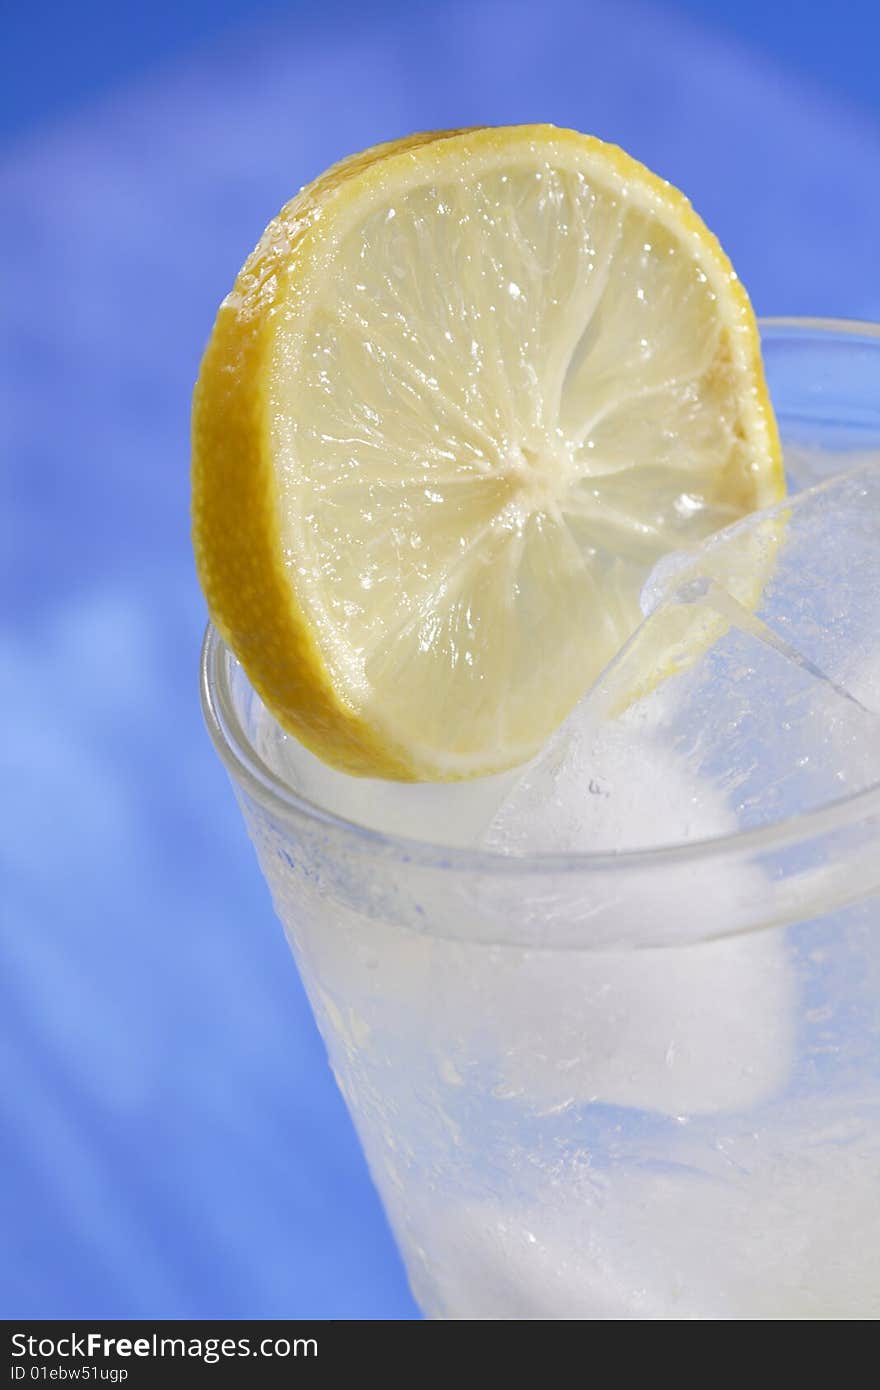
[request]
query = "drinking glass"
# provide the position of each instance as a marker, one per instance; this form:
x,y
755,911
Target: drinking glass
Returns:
x,y
642,1084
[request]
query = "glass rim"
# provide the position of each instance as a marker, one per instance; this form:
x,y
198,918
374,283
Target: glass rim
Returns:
x,y
253,774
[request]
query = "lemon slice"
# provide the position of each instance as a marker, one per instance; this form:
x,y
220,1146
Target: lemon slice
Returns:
x,y
466,391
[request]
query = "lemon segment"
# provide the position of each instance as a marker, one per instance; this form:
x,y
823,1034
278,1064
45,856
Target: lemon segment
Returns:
x,y
465,393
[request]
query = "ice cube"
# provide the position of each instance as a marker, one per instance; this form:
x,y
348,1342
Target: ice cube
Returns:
x,y
749,694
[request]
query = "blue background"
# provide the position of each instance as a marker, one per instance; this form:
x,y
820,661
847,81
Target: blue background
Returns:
x,y
172,1141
